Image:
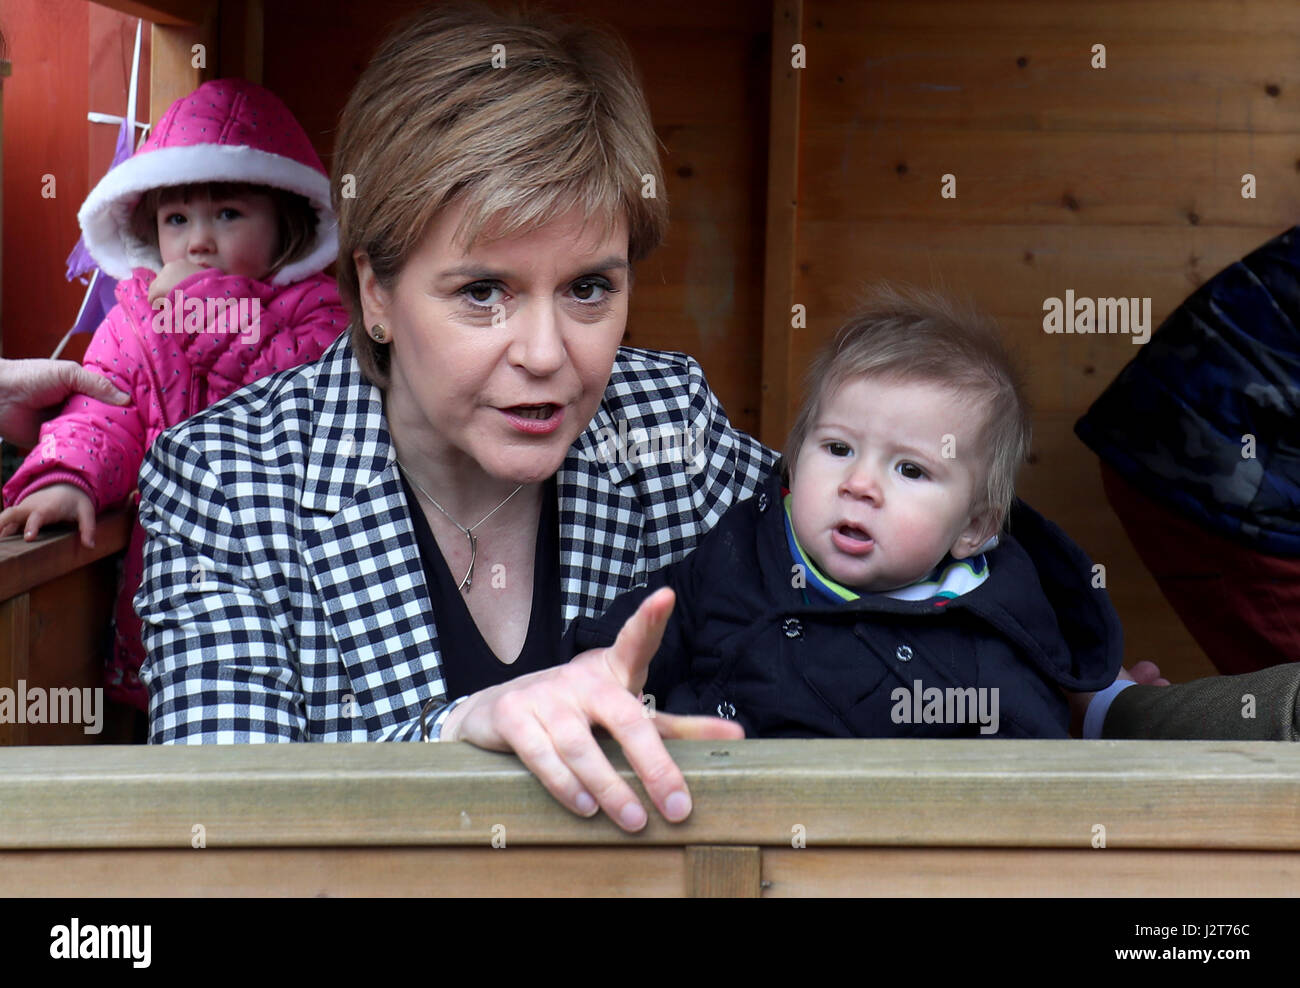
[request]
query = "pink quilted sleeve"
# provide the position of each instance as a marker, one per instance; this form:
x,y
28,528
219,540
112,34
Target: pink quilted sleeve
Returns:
x,y
93,445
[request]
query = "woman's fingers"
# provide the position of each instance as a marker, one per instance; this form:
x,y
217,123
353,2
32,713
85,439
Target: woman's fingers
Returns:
x,y
546,718
551,734
623,716
693,728
578,748
77,379
628,659
535,747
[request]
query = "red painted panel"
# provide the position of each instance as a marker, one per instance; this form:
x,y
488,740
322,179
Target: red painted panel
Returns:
x,y
44,135
69,57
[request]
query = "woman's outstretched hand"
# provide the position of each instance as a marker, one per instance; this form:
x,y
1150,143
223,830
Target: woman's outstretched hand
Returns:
x,y
546,718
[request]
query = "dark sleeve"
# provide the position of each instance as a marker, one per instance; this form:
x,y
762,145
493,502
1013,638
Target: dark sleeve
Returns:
x,y
1257,706
671,663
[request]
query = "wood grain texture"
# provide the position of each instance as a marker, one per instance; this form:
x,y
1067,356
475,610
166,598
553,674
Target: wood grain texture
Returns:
x,y
782,220
15,647
723,872
54,553
857,175
1233,20
1155,82
352,872
162,11
1155,795
173,73
1097,872
361,872
1009,270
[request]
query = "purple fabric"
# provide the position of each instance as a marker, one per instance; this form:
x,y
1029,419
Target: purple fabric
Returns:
x,y
100,295
99,299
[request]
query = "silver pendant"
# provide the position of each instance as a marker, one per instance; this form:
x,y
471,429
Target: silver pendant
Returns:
x,y
468,582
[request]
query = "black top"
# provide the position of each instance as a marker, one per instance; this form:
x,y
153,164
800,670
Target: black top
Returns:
x,y
468,665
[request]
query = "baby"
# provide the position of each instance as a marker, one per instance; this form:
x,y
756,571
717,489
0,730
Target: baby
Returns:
x,y
870,594
218,230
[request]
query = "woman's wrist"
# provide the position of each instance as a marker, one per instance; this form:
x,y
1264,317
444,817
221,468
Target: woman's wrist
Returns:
x,y
448,731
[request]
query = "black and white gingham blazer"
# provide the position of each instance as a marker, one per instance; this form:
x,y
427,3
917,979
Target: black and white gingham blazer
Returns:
x,y
284,598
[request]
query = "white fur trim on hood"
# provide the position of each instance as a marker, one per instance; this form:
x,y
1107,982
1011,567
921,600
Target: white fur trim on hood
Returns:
x,y
106,213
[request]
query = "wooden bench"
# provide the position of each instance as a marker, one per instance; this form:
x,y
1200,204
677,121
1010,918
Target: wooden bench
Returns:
x,y
56,600
889,817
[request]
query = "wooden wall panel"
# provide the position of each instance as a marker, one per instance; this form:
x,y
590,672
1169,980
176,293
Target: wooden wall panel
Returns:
x,y
46,133
1117,181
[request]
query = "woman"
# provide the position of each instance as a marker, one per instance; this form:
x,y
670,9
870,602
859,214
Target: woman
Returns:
x,y
391,541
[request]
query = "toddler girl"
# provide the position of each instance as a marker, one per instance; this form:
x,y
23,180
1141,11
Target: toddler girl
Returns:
x,y
218,229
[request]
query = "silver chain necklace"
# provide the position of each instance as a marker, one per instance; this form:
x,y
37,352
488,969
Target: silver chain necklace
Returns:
x,y
468,582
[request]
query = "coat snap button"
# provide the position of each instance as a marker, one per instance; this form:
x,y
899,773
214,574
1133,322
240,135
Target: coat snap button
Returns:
x,y
792,628
726,710
904,653
762,502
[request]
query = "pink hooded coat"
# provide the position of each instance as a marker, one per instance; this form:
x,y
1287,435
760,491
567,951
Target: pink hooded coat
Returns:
x,y
175,362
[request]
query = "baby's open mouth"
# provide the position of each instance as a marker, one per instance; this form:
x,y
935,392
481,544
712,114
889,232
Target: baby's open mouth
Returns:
x,y
534,411
855,533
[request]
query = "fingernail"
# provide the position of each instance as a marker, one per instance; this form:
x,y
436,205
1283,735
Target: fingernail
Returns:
x,y
677,806
633,816
586,803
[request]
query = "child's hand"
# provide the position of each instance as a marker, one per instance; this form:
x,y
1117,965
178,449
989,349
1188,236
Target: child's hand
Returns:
x,y
172,274
58,502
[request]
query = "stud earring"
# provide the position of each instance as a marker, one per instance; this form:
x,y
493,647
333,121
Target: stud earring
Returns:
x,y
378,333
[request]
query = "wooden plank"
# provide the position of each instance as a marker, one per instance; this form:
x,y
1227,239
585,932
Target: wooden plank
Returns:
x,y
714,872
858,175
56,551
70,636
15,645
973,79
242,39
162,11
640,871
345,872
174,73
995,872
1008,270
46,131
782,206
1155,794
1238,21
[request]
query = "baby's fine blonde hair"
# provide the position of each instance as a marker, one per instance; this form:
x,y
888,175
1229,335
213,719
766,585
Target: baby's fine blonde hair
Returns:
x,y
907,334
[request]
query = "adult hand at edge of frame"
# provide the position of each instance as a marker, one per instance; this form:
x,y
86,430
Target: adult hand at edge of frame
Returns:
x,y
546,718
32,390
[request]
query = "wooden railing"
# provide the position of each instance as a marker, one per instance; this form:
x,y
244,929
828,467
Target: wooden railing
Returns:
x,y
771,818
56,600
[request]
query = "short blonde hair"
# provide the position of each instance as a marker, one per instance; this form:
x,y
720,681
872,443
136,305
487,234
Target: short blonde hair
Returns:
x,y
906,334
432,123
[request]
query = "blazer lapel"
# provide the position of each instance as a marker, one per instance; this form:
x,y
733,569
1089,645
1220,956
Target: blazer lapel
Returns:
x,y
601,552
362,554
